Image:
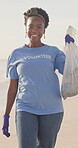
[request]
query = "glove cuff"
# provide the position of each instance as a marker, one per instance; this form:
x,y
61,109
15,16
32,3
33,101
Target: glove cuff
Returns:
x,y
6,116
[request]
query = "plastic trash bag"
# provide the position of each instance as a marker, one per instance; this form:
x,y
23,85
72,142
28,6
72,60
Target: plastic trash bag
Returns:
x,y
69,86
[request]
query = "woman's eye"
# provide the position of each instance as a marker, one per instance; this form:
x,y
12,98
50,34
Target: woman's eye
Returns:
x,y
40,26
31,27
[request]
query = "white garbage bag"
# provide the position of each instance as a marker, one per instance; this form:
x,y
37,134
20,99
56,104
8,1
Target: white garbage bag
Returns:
x,y
70,76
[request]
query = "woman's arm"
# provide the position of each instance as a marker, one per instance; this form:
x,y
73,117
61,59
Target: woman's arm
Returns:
x,y
12,91
60,61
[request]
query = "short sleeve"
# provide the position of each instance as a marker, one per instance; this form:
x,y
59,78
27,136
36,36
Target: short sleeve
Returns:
x,y
11,71
60,61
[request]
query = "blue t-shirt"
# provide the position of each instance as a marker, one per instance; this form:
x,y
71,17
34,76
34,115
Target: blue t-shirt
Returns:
x,y
38,84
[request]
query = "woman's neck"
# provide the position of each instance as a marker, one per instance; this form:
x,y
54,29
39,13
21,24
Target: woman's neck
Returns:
x,y
35,44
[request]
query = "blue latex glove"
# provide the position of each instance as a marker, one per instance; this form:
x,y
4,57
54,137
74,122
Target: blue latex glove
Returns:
x,y
6,125
69,39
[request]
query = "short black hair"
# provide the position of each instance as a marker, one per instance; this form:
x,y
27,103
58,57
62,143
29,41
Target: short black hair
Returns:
x,y
40,11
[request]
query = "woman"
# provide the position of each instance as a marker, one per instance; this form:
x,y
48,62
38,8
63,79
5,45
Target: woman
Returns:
x,y
35,85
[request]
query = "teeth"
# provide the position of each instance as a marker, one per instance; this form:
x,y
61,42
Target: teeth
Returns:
x,y
34,35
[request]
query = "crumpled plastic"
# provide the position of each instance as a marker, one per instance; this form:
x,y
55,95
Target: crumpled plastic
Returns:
x,y
69,85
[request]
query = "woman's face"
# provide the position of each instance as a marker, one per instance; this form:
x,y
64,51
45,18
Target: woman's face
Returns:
x,y
35,28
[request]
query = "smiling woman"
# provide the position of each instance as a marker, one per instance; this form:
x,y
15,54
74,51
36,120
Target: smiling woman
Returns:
x,y
35,85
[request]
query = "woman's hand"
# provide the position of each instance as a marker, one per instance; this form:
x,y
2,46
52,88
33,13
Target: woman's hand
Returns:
x,y
6,125
69,39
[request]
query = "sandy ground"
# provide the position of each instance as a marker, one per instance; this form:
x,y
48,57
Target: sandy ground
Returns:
x,y
67,137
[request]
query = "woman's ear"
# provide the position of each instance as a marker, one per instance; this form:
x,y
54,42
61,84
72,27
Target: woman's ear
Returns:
x,y
25,32
44,33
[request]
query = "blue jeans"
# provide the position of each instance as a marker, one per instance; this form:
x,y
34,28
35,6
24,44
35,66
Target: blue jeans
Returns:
x,y
37,131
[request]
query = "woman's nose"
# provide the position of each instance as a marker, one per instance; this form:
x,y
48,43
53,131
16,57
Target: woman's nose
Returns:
x,y
34,29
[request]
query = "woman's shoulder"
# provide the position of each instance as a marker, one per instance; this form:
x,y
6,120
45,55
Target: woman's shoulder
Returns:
x,y
53,48
55,51
17,50
15,53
